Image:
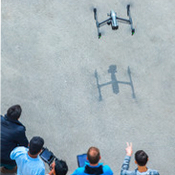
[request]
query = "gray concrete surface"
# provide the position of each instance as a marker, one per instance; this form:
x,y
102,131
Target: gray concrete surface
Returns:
x,y
50,52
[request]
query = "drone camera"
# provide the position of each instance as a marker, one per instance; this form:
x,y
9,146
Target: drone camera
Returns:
x,y
114,23
109,22
114,27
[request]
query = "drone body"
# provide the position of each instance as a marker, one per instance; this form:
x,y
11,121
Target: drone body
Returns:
x,y
113,21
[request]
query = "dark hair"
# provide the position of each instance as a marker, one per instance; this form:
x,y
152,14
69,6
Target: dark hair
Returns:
x,y
93,155
141,158
35,145
61,167
14,112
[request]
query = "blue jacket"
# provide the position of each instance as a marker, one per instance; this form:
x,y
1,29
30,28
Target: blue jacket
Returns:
x,y
125,169
12,135
88,169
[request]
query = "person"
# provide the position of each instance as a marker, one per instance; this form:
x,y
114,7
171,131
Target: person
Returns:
x,y
12,135
58,167
93,167
27,159
141,159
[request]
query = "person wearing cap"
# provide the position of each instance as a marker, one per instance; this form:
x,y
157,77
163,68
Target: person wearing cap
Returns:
x,y
93,167
58,167
12,135
27,159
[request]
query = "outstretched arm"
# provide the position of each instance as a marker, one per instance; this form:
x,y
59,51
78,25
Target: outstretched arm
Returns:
x,y
125,166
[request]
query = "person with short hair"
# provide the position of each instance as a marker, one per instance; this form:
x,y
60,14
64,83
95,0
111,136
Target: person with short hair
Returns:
x,y
12,135
59,167
93,167
27,159
141,159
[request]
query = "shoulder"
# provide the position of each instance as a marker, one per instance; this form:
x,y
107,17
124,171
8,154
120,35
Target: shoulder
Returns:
x,y
16,125
153,172
2,118
107,169
127,172
79,170
20,126
20,150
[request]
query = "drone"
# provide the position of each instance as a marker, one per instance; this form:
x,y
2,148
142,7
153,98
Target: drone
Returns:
x,y
113,21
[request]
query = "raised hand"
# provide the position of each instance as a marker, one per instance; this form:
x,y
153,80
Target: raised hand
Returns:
x,y
129,149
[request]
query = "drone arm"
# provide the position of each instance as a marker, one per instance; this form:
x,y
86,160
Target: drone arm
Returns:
x,y
130,19
103,22
97,23
124,20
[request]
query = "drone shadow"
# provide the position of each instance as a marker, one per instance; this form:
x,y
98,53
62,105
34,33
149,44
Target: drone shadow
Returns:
x,y
114,82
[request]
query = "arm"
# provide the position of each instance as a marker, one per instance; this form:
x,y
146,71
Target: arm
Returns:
x,y
18,151
154,172
125,166
110,172
13,153
74,173
126,162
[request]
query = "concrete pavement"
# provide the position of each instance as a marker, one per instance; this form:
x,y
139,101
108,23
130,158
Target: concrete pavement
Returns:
x,y
50,52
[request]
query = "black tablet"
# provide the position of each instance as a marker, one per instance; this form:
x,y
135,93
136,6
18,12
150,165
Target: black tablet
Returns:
x,y
47,156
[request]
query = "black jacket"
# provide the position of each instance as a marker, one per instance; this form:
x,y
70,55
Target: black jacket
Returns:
x,y
12,135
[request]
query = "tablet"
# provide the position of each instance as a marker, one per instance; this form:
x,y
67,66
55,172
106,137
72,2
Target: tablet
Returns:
x,y
47,156
81,159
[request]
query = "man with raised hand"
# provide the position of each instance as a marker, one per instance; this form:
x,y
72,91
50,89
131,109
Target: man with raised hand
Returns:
x,y
141,159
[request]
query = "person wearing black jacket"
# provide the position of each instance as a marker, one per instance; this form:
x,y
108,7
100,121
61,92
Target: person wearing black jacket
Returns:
x,y
12,135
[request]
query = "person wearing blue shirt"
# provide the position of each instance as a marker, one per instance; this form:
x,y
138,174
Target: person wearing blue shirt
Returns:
x,y
27,159
141,159
93,167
